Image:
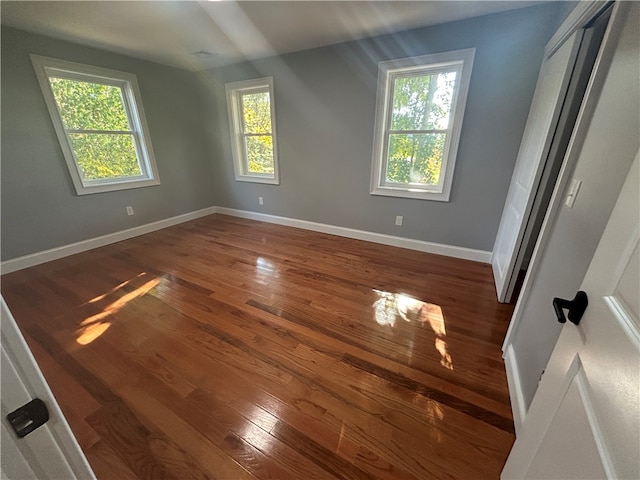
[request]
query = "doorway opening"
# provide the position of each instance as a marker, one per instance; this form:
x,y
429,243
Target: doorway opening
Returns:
x,y
585,62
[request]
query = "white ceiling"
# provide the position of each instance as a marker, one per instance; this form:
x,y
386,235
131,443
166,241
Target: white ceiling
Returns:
x,y
170,32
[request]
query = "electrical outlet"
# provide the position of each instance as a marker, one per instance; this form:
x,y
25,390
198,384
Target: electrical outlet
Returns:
x,y
260,201
398,220
129,211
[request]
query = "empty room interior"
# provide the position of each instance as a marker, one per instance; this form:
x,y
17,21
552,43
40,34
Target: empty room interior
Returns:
x,y
315,240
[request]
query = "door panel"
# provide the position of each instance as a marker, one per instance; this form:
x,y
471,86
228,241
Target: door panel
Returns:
x,y
548,100
624,301
14,465
39,448
589,396
576,420
50,451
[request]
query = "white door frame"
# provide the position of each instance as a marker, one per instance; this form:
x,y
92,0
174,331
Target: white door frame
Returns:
x,y
543,122
593,434
51,451
521,206
579,18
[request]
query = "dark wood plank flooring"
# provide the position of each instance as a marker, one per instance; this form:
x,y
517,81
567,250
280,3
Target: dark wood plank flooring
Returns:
x,y
233,349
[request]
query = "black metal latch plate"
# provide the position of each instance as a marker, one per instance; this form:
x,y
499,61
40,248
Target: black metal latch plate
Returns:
x,y
28,417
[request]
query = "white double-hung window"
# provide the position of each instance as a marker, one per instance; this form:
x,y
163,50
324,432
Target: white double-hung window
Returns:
x,y
98,118
253,130
419,109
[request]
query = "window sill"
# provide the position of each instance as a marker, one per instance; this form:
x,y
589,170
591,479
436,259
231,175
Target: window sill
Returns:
x,y
416,193
115,186
257,179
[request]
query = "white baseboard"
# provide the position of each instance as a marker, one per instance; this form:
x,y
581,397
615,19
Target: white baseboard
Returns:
x,y
419,245
518,406
33,259
59,252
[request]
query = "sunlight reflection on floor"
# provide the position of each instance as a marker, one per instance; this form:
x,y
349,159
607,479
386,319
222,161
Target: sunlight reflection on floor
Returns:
x,y
433,415
266,266
113,290
390,307
95,325
91,332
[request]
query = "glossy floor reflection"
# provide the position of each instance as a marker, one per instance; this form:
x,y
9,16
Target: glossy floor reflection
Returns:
x,y
228,348
390,307
95,325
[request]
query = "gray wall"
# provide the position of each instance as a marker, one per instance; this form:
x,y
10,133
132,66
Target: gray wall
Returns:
x,y
325,104
40,209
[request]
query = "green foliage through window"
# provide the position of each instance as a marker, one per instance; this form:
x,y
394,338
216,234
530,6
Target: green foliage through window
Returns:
x,y
418,126
102,155
256,115
415,158
96,123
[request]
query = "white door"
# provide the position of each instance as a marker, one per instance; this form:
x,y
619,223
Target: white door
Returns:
x,y
548,99
51,451
584,420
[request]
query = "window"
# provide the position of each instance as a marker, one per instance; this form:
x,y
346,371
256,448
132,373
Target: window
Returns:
x,y
98,117
419,112
253,130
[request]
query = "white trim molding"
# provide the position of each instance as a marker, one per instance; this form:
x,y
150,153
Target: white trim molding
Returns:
x,y
235,103
381,238
437,65
37,258
48,69
33,259
579,17
518,405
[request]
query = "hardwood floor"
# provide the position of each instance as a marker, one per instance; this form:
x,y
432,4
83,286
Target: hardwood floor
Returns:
x,y
233,349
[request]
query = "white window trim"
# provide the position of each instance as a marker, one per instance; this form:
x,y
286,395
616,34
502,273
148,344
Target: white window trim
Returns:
x,y
234,109
135,113
460,59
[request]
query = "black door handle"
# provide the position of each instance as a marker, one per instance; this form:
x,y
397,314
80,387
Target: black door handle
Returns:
x,y
28,417
576,307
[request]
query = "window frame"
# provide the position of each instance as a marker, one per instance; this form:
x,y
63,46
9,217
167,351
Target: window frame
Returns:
x,y
388,71
234,92
46,67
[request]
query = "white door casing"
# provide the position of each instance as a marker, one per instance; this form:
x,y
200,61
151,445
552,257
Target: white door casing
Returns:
x,y
51,451
601,150
551,90
584,420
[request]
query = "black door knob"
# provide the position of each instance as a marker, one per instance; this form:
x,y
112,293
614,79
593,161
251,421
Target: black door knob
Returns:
x,y
576,307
